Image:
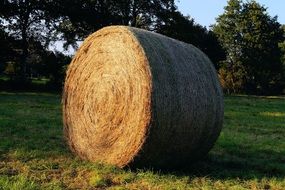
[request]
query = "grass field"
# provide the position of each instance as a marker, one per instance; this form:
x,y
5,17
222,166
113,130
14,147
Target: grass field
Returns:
x,y
250,153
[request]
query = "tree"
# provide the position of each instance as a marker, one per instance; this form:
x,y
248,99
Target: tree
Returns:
x,y
231,73
175,25
250,37
8,51
79,18
26,21
5,49
54,67
282,46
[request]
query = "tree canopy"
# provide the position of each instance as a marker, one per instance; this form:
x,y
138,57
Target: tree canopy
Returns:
x,y
27,22
251,38
79,18
245,44
185,29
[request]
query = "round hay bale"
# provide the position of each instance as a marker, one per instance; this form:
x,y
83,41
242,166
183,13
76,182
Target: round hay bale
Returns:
x,y
133,96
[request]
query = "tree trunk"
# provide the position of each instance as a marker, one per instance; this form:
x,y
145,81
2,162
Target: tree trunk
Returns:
x,y
25,52
134,14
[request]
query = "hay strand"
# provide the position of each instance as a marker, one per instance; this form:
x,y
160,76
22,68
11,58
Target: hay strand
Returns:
x,y
133,96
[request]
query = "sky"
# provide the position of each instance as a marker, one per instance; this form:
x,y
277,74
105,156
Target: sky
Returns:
x,y
204,12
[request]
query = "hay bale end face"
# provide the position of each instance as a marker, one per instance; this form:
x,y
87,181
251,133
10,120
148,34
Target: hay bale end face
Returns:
x,y
133,96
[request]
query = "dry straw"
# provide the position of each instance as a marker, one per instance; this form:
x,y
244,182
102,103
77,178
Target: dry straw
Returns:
x,y
133,96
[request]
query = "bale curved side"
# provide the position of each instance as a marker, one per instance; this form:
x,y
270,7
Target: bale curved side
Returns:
x,y
187,102
133,96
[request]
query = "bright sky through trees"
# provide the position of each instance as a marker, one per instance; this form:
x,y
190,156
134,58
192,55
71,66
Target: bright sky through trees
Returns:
x,y
205,11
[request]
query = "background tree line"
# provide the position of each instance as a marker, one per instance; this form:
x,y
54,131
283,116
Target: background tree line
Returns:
x,y
245,44
251,39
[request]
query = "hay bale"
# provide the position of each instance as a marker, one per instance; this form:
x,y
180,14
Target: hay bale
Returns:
x,y
133,96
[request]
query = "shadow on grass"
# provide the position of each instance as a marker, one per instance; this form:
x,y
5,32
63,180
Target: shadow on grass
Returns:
x,y
31,125
220,167
35,85
251,145
249,167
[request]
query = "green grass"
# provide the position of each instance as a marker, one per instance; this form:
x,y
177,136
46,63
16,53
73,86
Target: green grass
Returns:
x,y
250,153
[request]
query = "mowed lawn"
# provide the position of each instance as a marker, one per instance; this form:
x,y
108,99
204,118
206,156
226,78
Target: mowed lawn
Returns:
x,y
250,153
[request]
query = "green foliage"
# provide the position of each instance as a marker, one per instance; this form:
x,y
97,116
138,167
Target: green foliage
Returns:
x,y
251,38
84,17
41,63
246,51
55,67
6,49
79,18
282,46
10,69
27,22
35,23
232,76
248,155
177,26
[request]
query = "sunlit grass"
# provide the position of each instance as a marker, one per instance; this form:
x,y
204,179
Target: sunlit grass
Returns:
x,y
248,155
273,114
